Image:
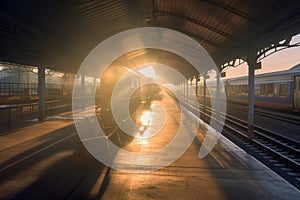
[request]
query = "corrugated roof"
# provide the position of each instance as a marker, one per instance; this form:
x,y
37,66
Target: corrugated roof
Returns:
x,y
61,33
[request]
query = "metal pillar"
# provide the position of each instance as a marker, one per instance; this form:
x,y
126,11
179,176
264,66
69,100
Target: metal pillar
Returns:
x,y
250,101
252,66
186,90
218,100
95,84
83,104
183,90
180,89
41,93
196,88
191,88
204,92
19,75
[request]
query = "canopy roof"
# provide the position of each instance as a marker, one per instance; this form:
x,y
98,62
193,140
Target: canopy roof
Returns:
x,y
59,34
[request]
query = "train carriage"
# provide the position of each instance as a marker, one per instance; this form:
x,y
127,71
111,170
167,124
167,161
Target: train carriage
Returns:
x,y
280,90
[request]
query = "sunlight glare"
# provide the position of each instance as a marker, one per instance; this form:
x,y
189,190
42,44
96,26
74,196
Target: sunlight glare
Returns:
x,y
146,118
148,72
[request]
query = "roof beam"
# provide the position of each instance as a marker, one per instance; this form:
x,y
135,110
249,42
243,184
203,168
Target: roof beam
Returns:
x,y
194,21
39,34
276,30
200,38
232,10
154,10
103,10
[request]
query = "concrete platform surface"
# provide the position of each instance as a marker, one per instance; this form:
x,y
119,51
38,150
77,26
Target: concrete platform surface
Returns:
x,y
227,172
36,163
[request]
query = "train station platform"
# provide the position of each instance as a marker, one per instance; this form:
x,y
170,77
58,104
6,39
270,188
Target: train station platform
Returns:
x,y
36,163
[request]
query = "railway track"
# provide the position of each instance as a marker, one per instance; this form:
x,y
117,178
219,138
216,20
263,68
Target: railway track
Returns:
x,y
286,118
279,153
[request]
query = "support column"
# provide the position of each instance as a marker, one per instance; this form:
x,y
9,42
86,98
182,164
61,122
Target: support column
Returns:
x,y
218,100
204,92
95,84
183,90
41,93
187,91
83,104
19,75
180,89
252,66
250,101
196,88
191,88
19,80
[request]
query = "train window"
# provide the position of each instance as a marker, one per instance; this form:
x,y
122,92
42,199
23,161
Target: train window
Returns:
x,y
282,90
296,85
262,89
232,89
270,89
245,89
240,90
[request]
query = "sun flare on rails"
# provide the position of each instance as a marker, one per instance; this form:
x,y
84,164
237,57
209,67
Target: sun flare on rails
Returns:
x,y
144,131
146,118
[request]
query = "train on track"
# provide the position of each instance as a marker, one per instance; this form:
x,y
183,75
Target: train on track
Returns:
x,y
276,90
280,90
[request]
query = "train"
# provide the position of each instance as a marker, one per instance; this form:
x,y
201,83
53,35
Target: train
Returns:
x,y
278,90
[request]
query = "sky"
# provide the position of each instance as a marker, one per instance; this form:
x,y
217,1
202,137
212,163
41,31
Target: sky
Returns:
x,y
282,60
